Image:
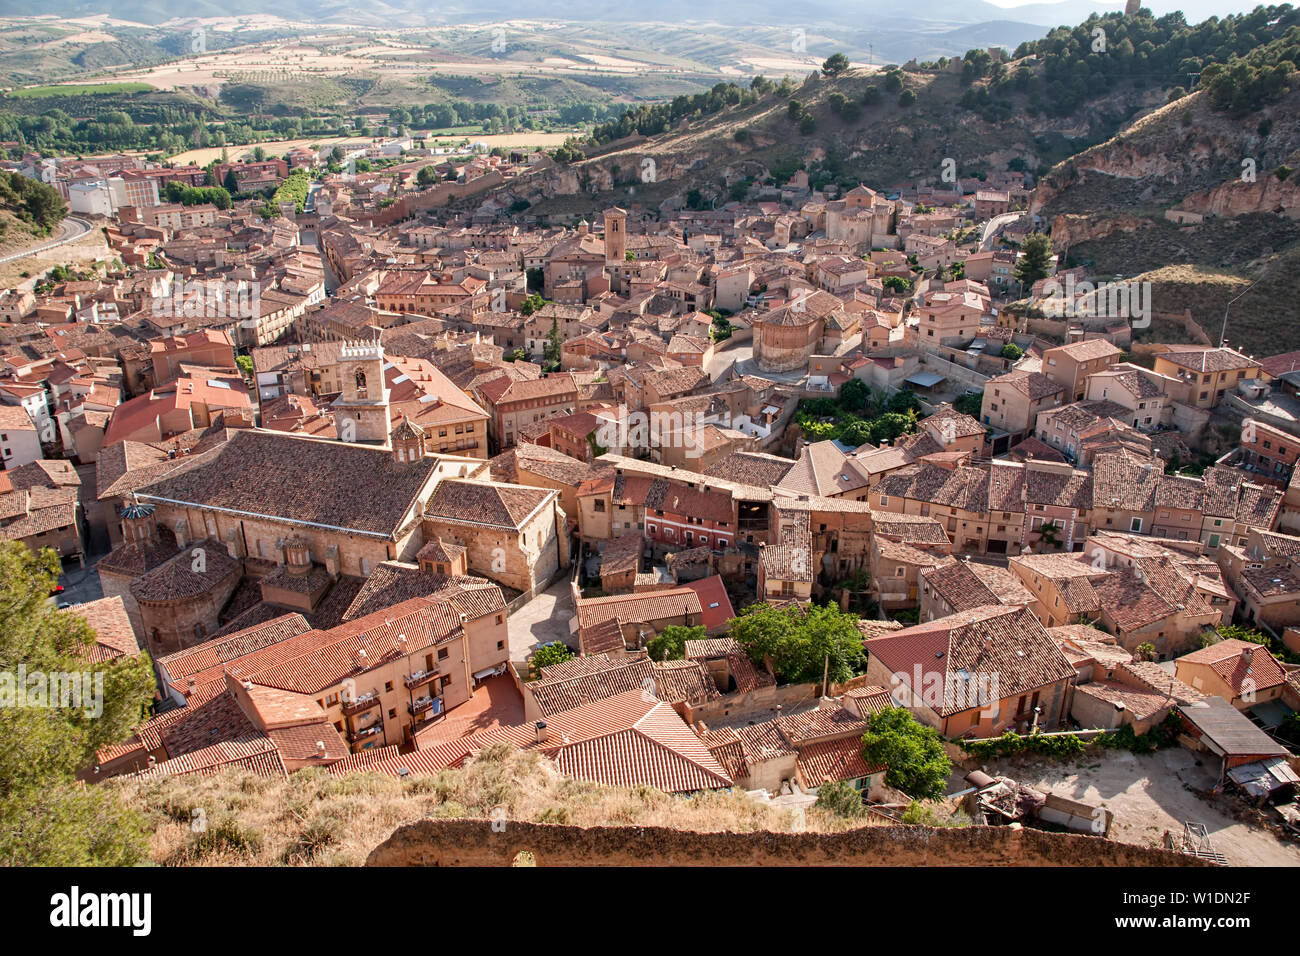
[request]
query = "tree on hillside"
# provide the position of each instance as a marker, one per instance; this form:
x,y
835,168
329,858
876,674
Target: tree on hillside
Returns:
x,y
913,754
427,176
1035,261
835,64
45,818
798,642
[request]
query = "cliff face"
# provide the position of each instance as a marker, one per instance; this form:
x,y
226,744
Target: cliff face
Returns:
x,y
1184,155
475,843
1268,194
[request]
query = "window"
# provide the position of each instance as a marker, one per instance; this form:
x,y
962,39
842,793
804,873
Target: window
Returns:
x,y
599,505
1136,525
442,653
388,686
392,713
501,645
884,501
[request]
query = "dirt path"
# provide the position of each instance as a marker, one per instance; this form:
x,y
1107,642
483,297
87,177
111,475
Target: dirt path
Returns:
x,y
1150,794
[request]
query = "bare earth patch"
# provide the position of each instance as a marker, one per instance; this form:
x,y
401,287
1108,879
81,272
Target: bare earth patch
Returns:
x,y
1149,795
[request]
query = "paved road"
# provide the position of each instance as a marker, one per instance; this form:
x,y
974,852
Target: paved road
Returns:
x,y
72,229
543,619
993,225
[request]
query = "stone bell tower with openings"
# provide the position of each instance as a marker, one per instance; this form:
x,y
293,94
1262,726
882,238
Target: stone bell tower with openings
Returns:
x,y
361,410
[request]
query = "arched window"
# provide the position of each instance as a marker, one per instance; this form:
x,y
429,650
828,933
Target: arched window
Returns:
x,y
361,383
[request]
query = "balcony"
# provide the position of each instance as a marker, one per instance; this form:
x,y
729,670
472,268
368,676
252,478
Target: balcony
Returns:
x,y
421,705
419,678
360,704
365,733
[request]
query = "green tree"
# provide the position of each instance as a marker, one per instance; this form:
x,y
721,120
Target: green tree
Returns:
x,y
45,819
912,753
427,176
245,363
1011,351
1035,261
894,81
1146,651
552,352
906,98
854,394
554,653
835,64
798,642
670,643
969,403
841,798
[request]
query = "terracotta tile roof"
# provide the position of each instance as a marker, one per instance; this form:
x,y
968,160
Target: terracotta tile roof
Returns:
x,y
831,760
710,648
870,699
184,576
393,582
299,480
783,562
253,753
1138,702
715,604
622,554
642,608
747,675
962,487
1004,641
114,636
683,681
1209,360
318,660
821,724
751,468
604,638
959,586
1237,661
598,680
623,741
910,529
1086,350
1153,677
485,503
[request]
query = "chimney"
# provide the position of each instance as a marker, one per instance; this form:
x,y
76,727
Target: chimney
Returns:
x,y
320,748
543,735
1248,655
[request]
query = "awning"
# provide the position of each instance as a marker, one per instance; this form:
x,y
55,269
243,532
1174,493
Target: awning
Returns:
x,y
924,379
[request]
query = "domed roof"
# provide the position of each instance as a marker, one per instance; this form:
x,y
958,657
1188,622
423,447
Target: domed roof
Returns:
x,y
137,509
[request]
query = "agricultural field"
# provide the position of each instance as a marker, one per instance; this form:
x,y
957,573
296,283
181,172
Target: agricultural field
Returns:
x,y
80,89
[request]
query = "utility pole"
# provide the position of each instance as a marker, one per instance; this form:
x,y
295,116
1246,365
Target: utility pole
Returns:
x,y
1223,335
826,677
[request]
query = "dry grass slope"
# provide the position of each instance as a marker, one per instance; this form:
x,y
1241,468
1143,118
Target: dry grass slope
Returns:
x,y
314,818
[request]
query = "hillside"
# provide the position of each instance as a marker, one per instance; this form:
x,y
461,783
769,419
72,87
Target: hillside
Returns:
x,y
313,818
860,132
1107,208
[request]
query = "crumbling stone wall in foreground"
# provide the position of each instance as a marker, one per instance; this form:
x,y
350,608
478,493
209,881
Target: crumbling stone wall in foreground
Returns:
x,y
475,843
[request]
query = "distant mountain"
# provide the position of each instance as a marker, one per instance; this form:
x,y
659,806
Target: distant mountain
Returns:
x,y
815,15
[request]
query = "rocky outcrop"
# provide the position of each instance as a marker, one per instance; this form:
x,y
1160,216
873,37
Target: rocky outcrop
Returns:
x,y
1268,194
481,843
1070,230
